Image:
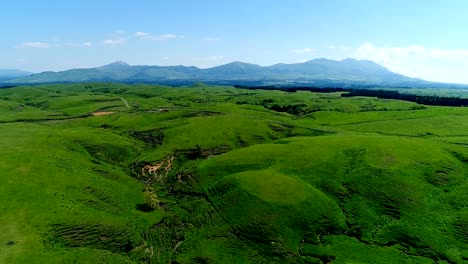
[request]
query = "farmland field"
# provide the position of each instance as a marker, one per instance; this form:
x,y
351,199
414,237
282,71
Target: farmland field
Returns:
x,y
113,173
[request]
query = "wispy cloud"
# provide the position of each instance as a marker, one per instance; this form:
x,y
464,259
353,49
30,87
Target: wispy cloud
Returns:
x,y
55,44
166,37
116,38
115,41
415,51
142,34
76,44
149,36
305,50
446,65
41,45
211,39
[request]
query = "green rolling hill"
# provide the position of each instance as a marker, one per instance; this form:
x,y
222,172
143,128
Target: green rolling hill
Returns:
x,y
114,173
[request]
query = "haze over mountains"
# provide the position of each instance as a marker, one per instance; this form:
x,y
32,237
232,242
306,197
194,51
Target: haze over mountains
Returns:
x,y
12,74
317,72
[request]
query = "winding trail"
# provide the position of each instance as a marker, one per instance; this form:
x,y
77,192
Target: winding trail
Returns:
x,y
125,102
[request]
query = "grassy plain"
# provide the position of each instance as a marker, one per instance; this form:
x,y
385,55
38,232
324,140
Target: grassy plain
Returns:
x,y
209,174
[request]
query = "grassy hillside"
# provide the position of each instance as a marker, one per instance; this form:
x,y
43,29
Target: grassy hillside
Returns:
x,y
110,173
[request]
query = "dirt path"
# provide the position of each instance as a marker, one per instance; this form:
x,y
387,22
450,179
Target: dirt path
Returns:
x,y
125,102
102,113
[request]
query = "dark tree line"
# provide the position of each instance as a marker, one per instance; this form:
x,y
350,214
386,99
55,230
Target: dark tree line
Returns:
x,y
294,89
7,86
384,94
420,99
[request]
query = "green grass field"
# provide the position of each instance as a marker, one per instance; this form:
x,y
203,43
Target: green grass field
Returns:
x,y
112,173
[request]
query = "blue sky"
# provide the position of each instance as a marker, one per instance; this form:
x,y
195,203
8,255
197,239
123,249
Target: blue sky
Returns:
x,y
426,39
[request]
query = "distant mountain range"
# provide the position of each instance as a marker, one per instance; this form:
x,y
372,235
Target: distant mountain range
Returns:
x,y
317,72
12,74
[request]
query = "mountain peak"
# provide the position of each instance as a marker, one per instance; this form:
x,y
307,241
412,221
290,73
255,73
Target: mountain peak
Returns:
x,y
350,60
239,64
114,64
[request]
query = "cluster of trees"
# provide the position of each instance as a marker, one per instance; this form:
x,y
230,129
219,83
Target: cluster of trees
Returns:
x,y
420,99
297,109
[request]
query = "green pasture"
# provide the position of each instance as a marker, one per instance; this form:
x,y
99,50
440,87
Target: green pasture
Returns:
x,y
340,180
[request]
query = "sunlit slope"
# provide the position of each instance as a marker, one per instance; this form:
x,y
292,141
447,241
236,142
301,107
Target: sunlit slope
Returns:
x,y
61,188
238,178
318,196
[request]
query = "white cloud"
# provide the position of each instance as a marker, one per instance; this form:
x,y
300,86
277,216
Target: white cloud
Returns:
x,y
211,39
116,38
305,50
142,34
165,37
149,36
216,58
115,41
55,44
42,45
73,44
445,65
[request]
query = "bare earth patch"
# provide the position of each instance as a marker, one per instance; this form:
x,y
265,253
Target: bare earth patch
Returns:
x,y
102,113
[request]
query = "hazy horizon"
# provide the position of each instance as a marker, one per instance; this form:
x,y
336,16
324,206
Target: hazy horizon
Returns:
x,y
188,65
417,39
